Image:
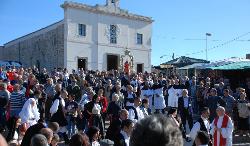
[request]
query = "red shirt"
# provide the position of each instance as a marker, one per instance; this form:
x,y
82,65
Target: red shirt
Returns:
x,y
10,88
104,102
10,75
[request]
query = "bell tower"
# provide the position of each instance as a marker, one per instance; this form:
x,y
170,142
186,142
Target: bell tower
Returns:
x,y
113,3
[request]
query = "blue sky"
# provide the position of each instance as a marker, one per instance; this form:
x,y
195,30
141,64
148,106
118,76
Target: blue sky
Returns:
x,y
180,25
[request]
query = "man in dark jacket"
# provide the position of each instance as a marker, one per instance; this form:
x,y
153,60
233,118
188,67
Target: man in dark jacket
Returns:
x,y
115,126
213,102
35,129
122,139
185,109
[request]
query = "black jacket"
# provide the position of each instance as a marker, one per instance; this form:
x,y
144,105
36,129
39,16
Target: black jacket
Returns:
x,y
31,131
119,140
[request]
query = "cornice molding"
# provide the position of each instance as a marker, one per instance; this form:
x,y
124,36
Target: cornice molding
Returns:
x,y
113,11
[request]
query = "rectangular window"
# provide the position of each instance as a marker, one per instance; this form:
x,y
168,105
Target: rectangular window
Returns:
x,y
82,29
113,34
139,38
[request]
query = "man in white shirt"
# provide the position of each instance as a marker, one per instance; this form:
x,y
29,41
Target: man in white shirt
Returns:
x,y
135,112
222,128
202,123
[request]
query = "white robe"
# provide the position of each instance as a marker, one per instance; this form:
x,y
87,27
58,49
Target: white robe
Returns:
x,y
173,96
226,132
29,114
149,95
159,101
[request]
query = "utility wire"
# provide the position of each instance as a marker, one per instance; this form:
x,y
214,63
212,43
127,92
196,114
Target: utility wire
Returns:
x,y
221,45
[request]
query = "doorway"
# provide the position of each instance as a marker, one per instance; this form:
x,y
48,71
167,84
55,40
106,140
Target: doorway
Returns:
x,y
112,62
82,63
139,68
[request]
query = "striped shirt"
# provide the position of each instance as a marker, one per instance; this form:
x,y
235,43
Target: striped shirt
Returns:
x,y
16,100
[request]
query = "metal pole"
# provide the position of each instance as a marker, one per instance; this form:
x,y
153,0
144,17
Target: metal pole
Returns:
x,y
206,47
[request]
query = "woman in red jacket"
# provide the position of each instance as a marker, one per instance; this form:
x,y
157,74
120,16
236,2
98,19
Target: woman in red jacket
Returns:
x,y
104,103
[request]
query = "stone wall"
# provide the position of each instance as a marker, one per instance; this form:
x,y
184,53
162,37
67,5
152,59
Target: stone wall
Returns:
x,y
46,49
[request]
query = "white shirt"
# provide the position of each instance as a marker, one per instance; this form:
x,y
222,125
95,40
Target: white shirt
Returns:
x,y
130,95
226,132
126,137
83,101
55,105
148,93
197,126
135,83
131,114
96,109
95,143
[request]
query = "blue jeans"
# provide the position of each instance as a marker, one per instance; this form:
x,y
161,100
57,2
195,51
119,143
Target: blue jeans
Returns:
x,y
71,126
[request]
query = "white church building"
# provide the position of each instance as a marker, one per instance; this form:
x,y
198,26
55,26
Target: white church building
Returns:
x,y
89,37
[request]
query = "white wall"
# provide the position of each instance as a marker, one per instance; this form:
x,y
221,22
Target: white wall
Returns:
x,y
96,45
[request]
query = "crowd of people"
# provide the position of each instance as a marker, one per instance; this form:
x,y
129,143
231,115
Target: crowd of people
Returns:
x,y
83,108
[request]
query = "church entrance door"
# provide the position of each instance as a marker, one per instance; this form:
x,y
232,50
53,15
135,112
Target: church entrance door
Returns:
x,y
82,63
112,62
139,68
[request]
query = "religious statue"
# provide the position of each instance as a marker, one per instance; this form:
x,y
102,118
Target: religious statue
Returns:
x,y
126,67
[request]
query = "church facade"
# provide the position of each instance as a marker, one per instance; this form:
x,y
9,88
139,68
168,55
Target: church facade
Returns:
x,y
89,37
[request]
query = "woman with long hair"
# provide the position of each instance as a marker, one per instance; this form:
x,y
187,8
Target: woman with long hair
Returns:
x,y
93,111
104,103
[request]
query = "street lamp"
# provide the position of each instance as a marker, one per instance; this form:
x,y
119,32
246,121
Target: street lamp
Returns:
x,y
207,34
